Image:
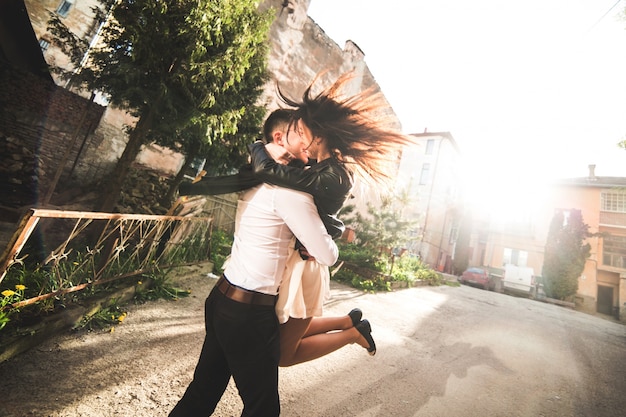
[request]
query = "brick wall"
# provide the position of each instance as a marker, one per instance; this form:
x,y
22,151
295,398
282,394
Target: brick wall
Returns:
x,y
39,121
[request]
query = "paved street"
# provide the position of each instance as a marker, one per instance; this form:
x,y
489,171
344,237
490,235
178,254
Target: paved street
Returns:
x,y
467,352
444,351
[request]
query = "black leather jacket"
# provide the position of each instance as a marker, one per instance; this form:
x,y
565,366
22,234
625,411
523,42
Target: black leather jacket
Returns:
x,y
328,181
223,184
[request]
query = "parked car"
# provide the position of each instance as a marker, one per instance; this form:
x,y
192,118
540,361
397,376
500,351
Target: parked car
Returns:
x,y
520,280
476,276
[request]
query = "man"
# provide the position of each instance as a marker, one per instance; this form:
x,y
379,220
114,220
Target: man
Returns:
x,y
242,333
274,130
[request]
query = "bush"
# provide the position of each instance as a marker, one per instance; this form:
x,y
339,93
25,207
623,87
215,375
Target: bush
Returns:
x,y
358,255
432,277
350,277
367,270
219,248
410,269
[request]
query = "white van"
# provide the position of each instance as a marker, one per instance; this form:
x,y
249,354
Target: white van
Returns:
x,y
519,279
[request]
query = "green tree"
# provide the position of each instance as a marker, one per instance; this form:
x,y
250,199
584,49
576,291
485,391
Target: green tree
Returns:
x,y
174,64
462,248
565,254
384,227
224,151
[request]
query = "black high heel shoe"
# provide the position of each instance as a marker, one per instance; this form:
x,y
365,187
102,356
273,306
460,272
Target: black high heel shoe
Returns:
x,y
365,329
355,315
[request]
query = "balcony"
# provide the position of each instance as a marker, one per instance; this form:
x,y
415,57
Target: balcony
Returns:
x,y
612,219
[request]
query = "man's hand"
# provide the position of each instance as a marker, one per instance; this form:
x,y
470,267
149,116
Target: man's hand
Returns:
x,y
199,176
305,255
279,154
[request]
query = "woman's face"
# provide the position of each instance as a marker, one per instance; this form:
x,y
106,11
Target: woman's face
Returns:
x,y
299,138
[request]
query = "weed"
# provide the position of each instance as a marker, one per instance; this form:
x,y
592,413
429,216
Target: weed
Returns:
x,y
159,288
219,250
104,318
9,297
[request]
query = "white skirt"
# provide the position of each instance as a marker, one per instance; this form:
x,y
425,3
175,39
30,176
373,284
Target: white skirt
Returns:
x,y
304,289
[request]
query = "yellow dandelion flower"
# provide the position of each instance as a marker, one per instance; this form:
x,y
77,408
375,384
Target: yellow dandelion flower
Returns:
x,y
139,282
20,287
121,318
112,329
8,293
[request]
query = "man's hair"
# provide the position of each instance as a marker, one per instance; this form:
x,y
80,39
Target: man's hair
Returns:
x,y
358,130
278,119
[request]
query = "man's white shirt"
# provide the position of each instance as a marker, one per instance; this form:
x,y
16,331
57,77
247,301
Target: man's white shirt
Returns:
x,y
267,218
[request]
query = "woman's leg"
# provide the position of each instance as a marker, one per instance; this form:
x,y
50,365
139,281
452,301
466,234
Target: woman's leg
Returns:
x,y
291,334
302,340
318,345
321,325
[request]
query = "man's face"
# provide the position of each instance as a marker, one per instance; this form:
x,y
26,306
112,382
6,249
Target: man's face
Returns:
x,y
297,141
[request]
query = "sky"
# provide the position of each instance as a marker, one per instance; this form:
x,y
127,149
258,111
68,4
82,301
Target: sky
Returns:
x,y
529,90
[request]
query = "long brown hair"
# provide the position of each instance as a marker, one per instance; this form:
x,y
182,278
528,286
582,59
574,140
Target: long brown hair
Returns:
x,y
357,128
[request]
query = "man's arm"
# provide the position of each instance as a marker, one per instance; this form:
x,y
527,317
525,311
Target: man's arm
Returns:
x,y
225,184
300,214
318,184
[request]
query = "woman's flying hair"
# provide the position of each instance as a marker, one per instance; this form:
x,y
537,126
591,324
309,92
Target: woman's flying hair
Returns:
x,y
358,128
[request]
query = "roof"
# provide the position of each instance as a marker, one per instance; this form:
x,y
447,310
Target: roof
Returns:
x,y
18,43
445,135
595,182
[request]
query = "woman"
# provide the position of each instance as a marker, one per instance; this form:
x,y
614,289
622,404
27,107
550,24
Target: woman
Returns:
x,y
345,135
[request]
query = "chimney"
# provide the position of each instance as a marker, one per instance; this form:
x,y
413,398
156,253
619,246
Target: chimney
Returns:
x,y
592,172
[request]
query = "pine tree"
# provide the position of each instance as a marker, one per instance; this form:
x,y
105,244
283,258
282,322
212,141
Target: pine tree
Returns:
x,y
462,248
565,254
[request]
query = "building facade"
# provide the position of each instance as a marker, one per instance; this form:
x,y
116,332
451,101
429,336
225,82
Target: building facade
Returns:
x,y
430,172
602,204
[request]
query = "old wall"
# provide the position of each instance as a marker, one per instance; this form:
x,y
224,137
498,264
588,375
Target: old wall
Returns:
x,y
39,121
80,19
300,50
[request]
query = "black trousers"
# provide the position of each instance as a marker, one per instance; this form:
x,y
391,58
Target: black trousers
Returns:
x,y
241,340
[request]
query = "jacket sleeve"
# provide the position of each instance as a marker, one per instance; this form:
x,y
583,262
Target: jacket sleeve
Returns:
x,y
268,170
221,185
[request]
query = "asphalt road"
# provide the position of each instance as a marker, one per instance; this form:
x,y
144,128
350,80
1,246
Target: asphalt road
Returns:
x,y
442,351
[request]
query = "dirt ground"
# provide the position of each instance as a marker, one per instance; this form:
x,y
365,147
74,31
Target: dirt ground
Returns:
x,y
444,351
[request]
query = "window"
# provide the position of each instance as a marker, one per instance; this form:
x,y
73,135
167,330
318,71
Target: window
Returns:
x,y
64,7
430,146
43,44
515,257
614,251
454,233
425,176
613,201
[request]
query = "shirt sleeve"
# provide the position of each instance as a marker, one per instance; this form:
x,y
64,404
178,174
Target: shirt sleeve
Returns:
x,y
300,214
